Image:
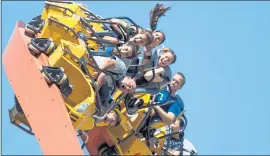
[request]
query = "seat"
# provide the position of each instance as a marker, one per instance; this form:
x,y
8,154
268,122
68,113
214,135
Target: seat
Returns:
x,y
81,102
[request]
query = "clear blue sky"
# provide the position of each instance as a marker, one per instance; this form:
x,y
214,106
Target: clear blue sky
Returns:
x,y
223,48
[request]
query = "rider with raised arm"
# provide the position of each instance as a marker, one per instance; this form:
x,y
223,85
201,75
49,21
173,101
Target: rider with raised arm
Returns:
x,y
162,74
117,68
168,113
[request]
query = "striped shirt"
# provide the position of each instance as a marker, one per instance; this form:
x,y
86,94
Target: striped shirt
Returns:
x,y
172,145
120,68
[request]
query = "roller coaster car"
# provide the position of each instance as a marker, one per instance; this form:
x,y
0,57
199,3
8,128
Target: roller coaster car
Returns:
x,y
112,135
78,93
68,67
75,30
133,143
126,138
72,78
83,103
74,82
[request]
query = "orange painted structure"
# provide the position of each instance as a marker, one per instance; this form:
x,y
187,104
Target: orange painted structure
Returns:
x,y
42,104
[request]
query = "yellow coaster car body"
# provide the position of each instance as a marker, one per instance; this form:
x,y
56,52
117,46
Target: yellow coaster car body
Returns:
x,y
60,27
81,102
134,145
63,30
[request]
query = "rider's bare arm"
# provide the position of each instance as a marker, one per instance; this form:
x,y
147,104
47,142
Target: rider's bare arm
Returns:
x,y
100,80
109,63
167,118
158,75
123,23
111,39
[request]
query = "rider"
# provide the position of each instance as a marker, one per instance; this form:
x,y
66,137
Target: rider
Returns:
x,y
168,113
117,68
158,36
162,74
112,119
143,38
174,144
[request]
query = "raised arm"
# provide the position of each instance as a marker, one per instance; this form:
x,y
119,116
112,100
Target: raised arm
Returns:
x,y
167,118
158,75
109,63
111,39
123,23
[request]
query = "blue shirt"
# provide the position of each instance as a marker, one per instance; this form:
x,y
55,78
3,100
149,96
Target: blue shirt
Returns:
x,y
175,107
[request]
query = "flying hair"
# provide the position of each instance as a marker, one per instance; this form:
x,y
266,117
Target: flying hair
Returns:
x,y
158,11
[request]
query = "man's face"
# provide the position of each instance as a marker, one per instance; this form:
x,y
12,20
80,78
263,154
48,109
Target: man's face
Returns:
x,y
176,82
111,118
128,85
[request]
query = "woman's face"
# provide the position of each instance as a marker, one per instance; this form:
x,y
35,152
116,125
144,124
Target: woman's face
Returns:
x,y
140,39
165,59
126,51
175,126
158,38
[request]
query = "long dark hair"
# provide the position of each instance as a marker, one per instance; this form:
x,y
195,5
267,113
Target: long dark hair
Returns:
x,y
158,11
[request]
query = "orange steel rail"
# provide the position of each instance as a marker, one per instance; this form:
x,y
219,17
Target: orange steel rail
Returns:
x,y
42,104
